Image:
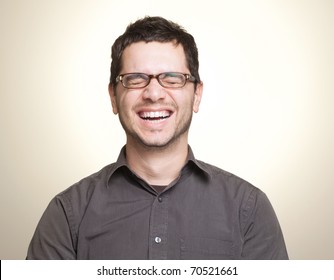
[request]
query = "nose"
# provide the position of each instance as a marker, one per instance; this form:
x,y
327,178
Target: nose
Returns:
x,y
154,91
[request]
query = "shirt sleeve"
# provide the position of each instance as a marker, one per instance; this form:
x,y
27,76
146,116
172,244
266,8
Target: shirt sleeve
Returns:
x,y
263,238
52,239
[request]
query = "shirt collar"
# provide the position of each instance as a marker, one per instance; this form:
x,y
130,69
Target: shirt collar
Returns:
x,y
121,162
199,164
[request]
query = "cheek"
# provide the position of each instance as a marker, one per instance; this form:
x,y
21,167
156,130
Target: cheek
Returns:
x,y
125,103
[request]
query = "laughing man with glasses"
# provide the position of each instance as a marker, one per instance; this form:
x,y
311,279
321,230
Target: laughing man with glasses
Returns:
x,y
157,201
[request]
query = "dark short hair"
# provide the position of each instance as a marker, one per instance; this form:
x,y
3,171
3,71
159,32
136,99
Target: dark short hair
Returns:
x,y
154,29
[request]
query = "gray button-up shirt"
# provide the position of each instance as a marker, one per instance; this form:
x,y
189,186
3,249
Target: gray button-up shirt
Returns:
x,y
206,213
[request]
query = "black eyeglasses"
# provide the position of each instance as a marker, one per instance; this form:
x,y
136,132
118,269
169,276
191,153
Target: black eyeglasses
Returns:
x,y
166,80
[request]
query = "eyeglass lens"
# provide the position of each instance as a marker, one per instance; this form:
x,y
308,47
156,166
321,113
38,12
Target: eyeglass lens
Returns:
x,y
138,80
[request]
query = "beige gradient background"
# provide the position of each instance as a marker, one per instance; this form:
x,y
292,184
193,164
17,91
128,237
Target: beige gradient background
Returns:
x,y
266,115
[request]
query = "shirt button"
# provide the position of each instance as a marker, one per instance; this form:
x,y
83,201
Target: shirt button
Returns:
x,y
160,199
157,239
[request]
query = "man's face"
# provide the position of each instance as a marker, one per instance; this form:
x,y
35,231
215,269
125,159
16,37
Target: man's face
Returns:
x,y
155,116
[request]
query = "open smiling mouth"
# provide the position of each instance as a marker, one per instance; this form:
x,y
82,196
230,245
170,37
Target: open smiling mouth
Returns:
x,y
155,116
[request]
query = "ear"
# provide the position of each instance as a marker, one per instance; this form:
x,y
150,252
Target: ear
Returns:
x,y
198,96
112,95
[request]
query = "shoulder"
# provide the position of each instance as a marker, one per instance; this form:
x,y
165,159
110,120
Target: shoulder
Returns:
x,y
76,197
228,183
217,174
233,189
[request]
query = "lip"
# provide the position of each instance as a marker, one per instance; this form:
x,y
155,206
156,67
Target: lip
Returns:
x,y
156,116
162,110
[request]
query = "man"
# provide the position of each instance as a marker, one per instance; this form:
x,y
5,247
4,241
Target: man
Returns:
x,y
157,201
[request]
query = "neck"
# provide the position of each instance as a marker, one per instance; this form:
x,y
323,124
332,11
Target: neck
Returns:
x,y
157,166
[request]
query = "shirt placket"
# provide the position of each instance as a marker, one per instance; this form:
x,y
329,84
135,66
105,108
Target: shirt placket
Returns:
x,y
158,228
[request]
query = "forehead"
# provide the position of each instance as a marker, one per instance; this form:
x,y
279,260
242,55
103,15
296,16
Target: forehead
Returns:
x,y
154,57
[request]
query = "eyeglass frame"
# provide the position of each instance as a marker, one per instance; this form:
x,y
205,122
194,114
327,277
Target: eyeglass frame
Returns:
x,y
188,77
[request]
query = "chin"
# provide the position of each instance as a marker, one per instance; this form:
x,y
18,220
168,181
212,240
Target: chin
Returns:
x,y
156,145
160,144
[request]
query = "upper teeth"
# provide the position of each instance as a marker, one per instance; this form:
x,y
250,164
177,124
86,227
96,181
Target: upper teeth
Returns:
x,y
161,114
